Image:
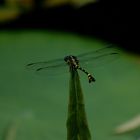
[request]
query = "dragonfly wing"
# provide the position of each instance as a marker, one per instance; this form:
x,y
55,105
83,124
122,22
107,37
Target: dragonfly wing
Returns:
x,y
99,57
100,60
38,65
51,67
53,70
105,50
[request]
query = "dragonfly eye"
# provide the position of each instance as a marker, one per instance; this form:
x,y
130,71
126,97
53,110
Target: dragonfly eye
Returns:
x,y
66,59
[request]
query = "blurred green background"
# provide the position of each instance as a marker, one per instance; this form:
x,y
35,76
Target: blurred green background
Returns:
x,y
35,106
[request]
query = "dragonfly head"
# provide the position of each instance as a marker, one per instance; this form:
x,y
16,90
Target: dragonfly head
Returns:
x,y
70,59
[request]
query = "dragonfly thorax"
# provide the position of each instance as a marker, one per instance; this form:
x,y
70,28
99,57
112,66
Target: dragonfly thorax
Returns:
x,y
72,60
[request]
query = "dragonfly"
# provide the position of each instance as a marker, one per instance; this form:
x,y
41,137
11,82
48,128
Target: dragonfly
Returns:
x,y
93,58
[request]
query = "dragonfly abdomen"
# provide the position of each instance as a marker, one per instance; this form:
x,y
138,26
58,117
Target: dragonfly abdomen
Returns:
x,y
90,77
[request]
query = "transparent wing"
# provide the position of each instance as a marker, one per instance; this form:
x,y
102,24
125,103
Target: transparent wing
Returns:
x,y
53,70
99,57
105,50
52,67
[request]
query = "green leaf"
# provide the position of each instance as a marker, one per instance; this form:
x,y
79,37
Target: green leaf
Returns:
x,y
77,126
